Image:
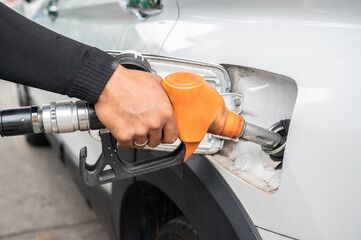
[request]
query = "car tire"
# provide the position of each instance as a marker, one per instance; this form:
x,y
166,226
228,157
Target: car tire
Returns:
x,y
177,229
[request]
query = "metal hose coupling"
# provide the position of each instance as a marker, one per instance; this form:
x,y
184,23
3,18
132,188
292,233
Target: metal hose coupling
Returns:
x,y
67,116
62,117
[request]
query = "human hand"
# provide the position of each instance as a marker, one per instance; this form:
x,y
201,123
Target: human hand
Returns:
x,y
135,108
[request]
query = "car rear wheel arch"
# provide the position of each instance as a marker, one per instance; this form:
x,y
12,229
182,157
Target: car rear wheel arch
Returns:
x,y
201,195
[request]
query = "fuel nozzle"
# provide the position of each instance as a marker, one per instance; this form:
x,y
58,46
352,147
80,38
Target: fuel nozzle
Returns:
x,y
199,109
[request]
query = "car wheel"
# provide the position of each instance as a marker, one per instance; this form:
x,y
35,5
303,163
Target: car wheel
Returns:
x,y
178,229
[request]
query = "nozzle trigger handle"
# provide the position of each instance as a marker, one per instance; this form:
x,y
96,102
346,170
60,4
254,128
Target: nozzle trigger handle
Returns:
x,y
110,167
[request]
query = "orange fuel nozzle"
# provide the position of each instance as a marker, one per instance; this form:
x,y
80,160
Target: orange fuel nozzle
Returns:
x,y
199,109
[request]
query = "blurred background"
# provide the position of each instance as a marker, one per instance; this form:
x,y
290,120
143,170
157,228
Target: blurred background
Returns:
x,y
39,199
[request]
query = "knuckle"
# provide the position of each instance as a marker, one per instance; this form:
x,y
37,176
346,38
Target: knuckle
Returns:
x,y
157,78
155,124
168,115
141,132
125,138
153,144
173,138
170,139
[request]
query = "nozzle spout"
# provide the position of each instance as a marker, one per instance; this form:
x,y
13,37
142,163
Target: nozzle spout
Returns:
x,y
264,137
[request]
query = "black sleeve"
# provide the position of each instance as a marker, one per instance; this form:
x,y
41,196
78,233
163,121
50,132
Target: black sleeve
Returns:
x,y
35,56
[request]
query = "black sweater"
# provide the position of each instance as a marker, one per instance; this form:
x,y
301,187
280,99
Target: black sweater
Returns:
x,y
35,56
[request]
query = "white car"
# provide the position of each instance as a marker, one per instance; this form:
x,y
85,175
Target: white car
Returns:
x,y
297,60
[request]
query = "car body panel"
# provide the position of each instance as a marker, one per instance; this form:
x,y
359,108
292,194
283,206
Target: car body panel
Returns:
x,y
106,25
271,235
316,43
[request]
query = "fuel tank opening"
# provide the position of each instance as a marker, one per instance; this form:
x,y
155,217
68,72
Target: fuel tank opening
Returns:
x,y
276,154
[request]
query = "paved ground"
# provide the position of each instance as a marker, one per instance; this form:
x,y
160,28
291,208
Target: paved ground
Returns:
x,y
38,199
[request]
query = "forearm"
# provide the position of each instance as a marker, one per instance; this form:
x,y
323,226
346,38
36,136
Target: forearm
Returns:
x,y
35,56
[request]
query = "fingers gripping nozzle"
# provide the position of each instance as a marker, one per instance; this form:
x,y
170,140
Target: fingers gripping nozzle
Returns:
x,y
199,109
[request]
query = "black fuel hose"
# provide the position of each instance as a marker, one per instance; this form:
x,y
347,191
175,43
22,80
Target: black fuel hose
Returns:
x,y
17,121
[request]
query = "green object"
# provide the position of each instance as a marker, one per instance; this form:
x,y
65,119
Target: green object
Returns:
x,y
142,4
